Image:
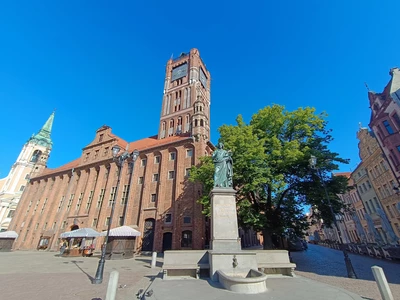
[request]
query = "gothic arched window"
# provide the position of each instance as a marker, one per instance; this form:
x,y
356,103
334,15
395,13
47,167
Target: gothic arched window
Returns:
x,y
36,156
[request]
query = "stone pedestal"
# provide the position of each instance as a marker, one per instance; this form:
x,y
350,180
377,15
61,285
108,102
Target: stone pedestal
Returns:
x,y
224,225
225,241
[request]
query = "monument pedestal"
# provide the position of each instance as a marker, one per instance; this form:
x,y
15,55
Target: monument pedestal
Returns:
x,y
225,241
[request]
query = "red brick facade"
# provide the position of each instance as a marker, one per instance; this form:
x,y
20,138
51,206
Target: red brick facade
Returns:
x,y
153,194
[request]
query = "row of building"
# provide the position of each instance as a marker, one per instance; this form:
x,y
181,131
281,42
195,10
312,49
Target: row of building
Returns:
x,y
374,202
153,195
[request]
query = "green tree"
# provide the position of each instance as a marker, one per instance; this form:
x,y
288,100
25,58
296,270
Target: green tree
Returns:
x,y
271,170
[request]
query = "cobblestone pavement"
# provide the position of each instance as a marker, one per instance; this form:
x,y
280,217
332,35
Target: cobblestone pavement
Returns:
x,y
43,275
327,265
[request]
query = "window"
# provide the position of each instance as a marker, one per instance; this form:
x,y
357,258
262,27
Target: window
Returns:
x,y
186,239
64,224
101,137
54,225
368,208
187,172
87,156
396,118
388,127
171,174
143,162
376,203
157,159
36,226
153,198
107,220
27,176
78,204
189,152
187,220
384,166
172,155
101,197
11,214
125,192
369,184
21,189
155,177
140,180
45,225
106,151
96,153
89,201
94,223
395,210
112,196
70,201
61,203
44,205
168,218
390,211
121,221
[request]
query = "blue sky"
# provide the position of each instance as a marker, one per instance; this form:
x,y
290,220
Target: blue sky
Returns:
x,y
99,63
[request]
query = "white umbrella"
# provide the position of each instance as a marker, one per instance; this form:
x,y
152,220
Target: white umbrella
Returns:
x,y
122,231
80,233
8,234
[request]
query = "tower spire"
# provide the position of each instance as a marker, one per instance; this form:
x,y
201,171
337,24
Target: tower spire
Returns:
x,y
43,136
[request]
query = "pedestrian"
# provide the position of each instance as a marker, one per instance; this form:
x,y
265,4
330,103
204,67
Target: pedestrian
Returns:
x,y
63,246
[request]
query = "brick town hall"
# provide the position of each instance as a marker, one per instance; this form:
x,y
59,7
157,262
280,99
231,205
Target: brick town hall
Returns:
x,y
155,198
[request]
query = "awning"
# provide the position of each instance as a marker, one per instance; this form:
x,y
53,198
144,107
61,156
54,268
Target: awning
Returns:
x,y
82,232
8,235
122,231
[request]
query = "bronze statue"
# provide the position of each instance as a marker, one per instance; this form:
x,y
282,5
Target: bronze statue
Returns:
x,y
223,167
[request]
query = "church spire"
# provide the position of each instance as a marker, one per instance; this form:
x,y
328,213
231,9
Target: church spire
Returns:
x,y
43,136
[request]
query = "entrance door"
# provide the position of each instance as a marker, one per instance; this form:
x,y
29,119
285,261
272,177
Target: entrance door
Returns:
x,y
167,241
148,235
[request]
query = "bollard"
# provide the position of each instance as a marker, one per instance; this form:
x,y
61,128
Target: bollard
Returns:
x,y
154,259
112,285
382,283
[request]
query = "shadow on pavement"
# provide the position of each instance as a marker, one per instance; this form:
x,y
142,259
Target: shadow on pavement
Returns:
x,y
76,264
148,261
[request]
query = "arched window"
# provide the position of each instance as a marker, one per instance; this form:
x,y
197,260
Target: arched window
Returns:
x,y
36,156
201,123
186,241
195,123
163,126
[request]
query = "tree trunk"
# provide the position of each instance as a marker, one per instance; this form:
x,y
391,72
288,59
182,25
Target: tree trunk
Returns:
x,y
267,239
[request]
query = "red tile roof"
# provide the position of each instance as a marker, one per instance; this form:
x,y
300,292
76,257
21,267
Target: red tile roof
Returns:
x,y
141,145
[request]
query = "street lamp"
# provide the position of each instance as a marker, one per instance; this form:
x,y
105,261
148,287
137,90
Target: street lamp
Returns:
x,y
119,161
349,266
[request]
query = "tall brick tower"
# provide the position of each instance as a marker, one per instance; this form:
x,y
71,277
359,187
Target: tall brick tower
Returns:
x,y
186,100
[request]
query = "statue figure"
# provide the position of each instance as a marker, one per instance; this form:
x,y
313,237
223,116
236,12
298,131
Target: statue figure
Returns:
x,y
223,167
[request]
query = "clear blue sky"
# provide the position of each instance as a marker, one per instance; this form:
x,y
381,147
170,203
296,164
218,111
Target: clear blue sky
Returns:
x,y
102,62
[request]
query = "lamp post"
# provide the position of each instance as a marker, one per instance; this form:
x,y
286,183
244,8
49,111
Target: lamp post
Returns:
x,y
349,266
119,161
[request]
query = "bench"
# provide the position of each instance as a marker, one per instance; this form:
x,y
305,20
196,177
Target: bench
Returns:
x,y
275,262
185,263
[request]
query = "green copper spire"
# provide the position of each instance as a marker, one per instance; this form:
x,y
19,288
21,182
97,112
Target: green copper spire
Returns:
x,y
43,136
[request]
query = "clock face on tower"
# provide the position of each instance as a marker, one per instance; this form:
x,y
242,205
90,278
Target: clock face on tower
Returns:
x,y
179,72
203,78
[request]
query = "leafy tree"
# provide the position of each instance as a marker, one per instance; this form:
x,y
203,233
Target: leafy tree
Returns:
x,y
271,170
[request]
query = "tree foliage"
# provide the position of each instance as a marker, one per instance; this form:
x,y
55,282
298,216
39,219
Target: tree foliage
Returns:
x,y
272,175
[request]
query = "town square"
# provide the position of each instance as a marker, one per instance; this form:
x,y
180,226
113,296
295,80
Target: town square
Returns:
x,y
213,151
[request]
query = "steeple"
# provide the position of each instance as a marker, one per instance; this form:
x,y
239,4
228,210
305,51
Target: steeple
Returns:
x,y
43,136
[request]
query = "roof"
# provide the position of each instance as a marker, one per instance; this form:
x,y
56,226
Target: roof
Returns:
x,y
345,174
8,235
122,231
71,165
141,145
82,232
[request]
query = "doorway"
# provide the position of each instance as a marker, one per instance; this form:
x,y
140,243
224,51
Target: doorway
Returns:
x,y
148,235
167,241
